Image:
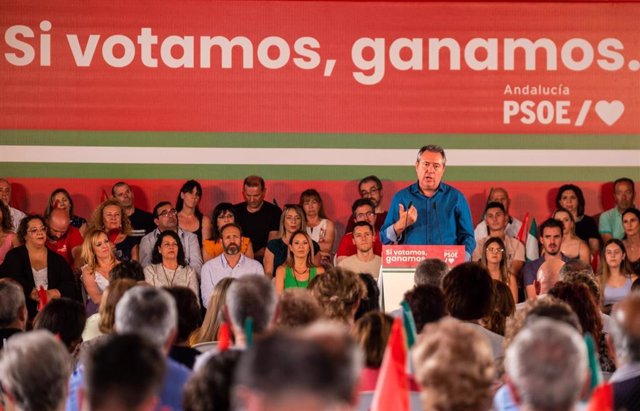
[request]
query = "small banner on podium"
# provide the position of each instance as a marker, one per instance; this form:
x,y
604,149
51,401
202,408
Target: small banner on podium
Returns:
x,y
398,266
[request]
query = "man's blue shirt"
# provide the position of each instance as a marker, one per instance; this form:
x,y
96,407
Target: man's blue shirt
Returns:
x,y
443,219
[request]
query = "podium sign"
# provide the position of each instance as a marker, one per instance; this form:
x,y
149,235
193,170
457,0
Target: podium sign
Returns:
x,y
398,267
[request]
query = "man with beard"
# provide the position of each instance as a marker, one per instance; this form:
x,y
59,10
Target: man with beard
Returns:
x,y
550,238
63,238
231,263
371,187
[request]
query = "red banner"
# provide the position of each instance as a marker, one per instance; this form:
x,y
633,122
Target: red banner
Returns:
x,y
320,66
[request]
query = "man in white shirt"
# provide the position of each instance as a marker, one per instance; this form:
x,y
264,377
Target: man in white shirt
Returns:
x,y
231,263
364,261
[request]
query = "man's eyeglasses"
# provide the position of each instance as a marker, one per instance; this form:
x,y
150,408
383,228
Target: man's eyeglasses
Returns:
x,y
167,213
365,215
365,193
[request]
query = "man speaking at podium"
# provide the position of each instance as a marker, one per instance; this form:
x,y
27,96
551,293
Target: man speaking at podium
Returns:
x,y
429,212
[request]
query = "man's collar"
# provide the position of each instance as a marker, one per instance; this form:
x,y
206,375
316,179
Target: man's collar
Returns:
x,y
415,189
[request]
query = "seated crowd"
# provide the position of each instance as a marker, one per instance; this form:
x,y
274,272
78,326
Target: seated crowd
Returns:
x,y
262,308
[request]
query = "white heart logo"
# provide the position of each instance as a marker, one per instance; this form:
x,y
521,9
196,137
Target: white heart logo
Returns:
x,y
609,112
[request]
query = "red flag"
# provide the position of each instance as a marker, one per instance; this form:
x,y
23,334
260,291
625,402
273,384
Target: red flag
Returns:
x,y
113,235
522,234
595,260
392,388
602,398
224,337
42,298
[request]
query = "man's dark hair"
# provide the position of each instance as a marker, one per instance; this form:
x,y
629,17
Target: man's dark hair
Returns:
x,y
116,185
224,227
427,304
128,269
468,290
254,181
373,178
550,223
123,369
361,202
157,207
65,318
280,365
625,180
494,204
188,311
363,224
430,271
209,388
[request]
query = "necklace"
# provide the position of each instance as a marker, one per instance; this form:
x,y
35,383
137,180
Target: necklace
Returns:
x,y
295,276
166,277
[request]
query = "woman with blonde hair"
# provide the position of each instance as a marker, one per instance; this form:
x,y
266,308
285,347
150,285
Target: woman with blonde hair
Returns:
x,y
112,219
299,269
213,318
292,220
99,259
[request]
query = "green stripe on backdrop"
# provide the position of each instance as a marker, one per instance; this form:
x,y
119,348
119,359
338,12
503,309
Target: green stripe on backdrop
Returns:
x,y
315,140
279,172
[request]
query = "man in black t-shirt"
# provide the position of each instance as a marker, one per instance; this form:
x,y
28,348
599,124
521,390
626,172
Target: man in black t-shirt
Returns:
x,y
141,221
260,220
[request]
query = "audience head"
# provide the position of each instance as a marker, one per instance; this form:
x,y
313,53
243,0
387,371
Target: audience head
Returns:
x,y
165,216
34,372
192,191
254,297
547,366
122,193
253,191
13,310
427,304
613,255
149,312
495,216
631,222
339,292
60,198
626,330
168,246
5,191
300,244
209,388
549,274
110,215
108,388
494,251
128,269
570,197
292,219
503,307
582,303
222,215
110,298
282,371
430,271
371,187
188,312
29,229
500,195
311,203
550,236
65,318
566,218
371,301
453,375
363,236
624,192
296,308
372,332
96,244
364,209
231,237
577,271
468,290
214,317
58,222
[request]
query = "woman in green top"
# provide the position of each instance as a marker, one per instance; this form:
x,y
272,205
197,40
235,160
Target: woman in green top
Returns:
x,y
298,270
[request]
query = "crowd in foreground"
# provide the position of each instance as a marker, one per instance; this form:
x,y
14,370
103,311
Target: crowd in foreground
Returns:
x,y
327,347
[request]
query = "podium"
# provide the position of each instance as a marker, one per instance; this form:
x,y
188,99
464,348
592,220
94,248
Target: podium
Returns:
x,y
398,267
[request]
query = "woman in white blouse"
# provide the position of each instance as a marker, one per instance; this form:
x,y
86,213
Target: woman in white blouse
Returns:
x,y
168,266
99,257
